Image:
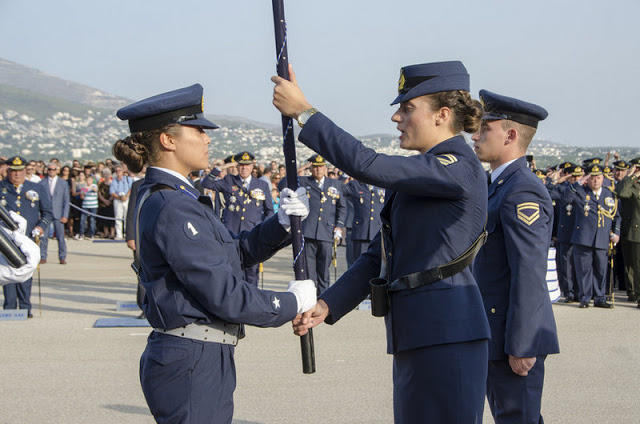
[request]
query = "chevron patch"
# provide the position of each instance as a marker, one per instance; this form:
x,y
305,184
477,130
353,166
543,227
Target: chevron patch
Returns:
x,y
528,212
447,159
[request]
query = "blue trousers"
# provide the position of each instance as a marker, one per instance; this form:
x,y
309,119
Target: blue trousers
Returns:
x,y
188,381
318,257
62,245
566,271
92,222
18,295
514,399
442,384
591,272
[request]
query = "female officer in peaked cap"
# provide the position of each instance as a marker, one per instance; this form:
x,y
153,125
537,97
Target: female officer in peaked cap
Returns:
x,y
191,266
435,209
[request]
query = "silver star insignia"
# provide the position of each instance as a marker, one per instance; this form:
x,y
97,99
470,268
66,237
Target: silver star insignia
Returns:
x,y
276,303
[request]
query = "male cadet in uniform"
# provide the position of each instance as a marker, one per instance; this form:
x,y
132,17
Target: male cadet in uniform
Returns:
x,y
368,201
247,201
511,267
327,212
628,191
58,190
597,224
32,202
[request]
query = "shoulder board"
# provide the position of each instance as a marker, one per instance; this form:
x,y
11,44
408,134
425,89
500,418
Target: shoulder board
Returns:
x,y
447,159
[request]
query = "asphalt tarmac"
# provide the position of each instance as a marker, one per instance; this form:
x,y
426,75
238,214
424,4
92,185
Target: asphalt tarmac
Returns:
x,y
58,368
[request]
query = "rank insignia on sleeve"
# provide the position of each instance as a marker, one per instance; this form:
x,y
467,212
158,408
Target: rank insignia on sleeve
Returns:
x,y
275,303
447,159
191,231
528,212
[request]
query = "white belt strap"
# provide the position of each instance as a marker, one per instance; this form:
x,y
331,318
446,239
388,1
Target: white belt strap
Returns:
x,y
215,333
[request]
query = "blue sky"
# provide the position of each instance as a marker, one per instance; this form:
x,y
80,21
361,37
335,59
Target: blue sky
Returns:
x,y
578,59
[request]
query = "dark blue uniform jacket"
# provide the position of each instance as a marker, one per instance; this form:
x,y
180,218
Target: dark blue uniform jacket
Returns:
x,y
565,213
435,209
511,267
33,203
244,208
327,208
596,217
367,204
191,265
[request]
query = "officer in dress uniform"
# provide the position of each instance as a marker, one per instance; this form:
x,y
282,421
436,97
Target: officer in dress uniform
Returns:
x,y
191,265
433,217
247,201
31,251
368,201
32,202
327,213
628,191
511,267
597,224
566,218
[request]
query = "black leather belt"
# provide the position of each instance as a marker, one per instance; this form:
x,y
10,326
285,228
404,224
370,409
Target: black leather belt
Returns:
x,y
433,275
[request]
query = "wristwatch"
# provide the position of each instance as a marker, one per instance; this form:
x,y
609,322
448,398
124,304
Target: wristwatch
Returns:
x,y
305,115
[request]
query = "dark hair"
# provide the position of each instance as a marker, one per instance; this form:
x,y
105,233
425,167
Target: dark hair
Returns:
x,y
142,147
467,113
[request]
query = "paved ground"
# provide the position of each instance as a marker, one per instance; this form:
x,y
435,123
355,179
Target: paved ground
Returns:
x,y
58,368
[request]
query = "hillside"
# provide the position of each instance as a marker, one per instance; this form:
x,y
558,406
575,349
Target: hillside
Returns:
x,y
42,116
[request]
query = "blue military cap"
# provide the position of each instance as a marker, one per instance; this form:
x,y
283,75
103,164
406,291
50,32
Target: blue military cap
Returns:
x,y
17,162
317,160
620,164
635,161
566,166
595,170
230,159
244,158
577,171
591,161
183,106
498,107
429,78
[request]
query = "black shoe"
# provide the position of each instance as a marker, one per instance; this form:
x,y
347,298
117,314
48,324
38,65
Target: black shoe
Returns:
x,y
142,316
638,305
569,299
583,305
632,298
29,315
604,305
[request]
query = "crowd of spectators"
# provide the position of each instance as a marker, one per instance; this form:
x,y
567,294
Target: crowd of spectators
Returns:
x,y
95,207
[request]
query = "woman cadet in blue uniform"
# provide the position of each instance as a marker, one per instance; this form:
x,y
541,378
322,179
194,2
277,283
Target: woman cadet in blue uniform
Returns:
x,y
435,209
191,266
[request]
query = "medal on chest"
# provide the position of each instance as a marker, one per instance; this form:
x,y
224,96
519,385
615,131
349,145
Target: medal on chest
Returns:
x,y
569,207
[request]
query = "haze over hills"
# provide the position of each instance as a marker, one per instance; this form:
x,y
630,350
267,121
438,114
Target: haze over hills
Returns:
x,y
42,116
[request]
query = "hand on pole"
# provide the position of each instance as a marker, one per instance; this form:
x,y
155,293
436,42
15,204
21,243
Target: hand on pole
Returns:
x,y
292,203
288,98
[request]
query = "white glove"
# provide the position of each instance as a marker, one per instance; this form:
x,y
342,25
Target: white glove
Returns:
x,y
305,292
292,203
9,274
22,223
337,234
36,232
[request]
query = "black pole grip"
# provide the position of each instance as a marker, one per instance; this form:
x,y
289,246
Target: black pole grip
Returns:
x,y
289,147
